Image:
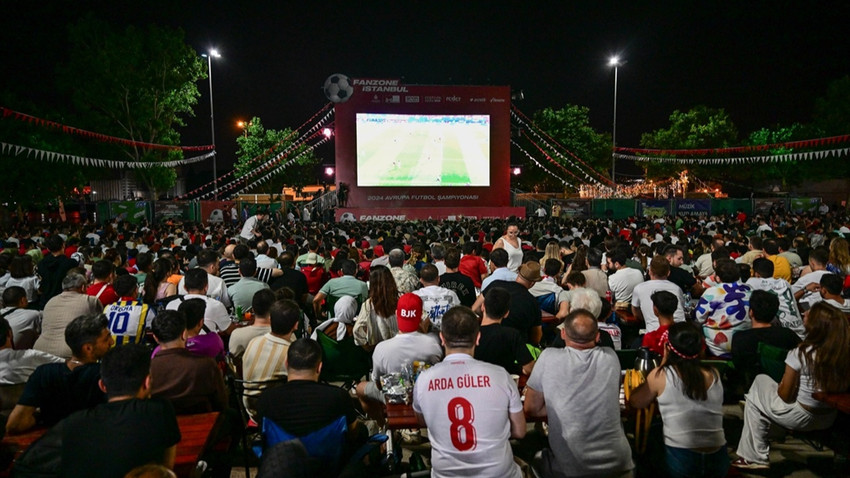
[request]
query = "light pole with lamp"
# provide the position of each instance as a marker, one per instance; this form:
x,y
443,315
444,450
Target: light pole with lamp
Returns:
x,y
209,56
615,62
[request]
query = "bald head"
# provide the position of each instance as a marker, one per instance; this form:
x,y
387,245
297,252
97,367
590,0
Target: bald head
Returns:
x,y
580,329
228,251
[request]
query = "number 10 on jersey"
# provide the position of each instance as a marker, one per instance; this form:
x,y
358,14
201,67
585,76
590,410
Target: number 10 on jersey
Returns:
x,y
461,416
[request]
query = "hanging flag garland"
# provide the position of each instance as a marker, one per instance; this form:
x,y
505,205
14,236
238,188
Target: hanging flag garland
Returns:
x,y
807,143
42,155
532,158
775,158
537,131
7,113
264,154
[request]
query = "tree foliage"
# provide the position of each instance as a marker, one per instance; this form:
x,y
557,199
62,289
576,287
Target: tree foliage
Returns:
x,y
136,84
786,173
569,126
256,140
700,127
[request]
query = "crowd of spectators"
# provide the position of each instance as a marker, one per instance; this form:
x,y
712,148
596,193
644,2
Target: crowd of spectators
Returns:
x,y
550,299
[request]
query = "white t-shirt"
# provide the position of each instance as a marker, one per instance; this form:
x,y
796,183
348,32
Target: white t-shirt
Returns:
x,y
248,228
436,301
795,360
789,315
623,283
467,405
390,354
216,317
642,299
813,277
215,289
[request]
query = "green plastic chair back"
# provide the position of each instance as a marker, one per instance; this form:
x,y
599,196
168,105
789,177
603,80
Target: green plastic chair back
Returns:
x,y
772,360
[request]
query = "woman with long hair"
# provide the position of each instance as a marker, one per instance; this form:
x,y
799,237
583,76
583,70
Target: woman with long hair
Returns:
x,y
690,400
511,244
821,363
839,257
552,251
579,263
156,283
22,272
377,321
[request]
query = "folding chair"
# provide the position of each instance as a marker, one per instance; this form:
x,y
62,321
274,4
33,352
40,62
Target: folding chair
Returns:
x,y
246,391
772,360
343,361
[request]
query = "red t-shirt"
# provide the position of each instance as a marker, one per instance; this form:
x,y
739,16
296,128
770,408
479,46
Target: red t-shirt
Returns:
x,y
472,267
108,295
651,339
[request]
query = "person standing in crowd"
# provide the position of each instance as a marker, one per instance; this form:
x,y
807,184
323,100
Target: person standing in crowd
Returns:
x,y
52,270
511,244
471,422
251,228
690,400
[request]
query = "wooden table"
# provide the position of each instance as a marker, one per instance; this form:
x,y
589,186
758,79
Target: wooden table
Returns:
x,y
197,433
403,416
840,401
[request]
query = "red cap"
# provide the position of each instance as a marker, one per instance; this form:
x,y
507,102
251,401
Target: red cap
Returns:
x,y
408,312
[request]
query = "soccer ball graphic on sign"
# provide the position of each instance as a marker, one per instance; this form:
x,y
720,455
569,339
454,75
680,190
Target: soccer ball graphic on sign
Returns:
x,y
338,88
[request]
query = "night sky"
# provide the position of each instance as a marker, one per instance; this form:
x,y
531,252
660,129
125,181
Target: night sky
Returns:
x,y
764,62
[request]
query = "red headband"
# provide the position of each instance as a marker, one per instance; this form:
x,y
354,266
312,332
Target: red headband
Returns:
x,y
665,339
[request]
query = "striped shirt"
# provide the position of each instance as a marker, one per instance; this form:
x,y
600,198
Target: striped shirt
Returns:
x,y
264,359
230,274
128,320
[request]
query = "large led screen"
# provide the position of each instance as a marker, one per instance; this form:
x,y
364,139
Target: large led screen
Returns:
x,y
423,150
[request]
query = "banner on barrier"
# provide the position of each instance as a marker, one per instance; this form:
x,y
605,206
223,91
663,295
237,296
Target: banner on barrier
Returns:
x,y
801,205
766,205
216,212
129,211
570,208
693,207
654,208
173,210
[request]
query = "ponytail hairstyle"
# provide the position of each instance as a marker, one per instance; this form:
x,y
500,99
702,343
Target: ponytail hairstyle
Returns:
x,y
684,343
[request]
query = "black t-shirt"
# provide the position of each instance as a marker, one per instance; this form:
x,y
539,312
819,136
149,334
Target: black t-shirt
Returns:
x,y
113,438
59,391
461,284
745,346
503,346
681,278
301,407
293,279
525,312
52,269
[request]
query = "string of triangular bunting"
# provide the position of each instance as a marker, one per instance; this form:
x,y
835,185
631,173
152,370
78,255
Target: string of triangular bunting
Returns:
x,y
771,158
14,150
532,158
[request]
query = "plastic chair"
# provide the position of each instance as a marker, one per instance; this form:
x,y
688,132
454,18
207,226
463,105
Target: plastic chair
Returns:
x,y
627,358
343,361
772,360
243,391
331,301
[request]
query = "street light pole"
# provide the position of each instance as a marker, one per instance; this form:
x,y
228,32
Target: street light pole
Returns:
x,y
209,57
615,62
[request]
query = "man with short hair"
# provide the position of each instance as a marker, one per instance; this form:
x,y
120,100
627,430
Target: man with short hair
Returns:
x,y
781,266
408,346
596,278
624,279
472,265
291,278
242,292
664,306
755,251
471,408
25,323
454,280
230,272
524,313
686,281
724,308
764,307
405,280
52,269
436,300
240,338
251,228
500,345
789,254
208,261
438,253
193,383
263,260
103,273
58,389
642,307
128,316
135,428
312,247
16,366
302,405
346,285
265,355
788,314
208,344
806,288
581,382
61,310
216,317
499,269
831,286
